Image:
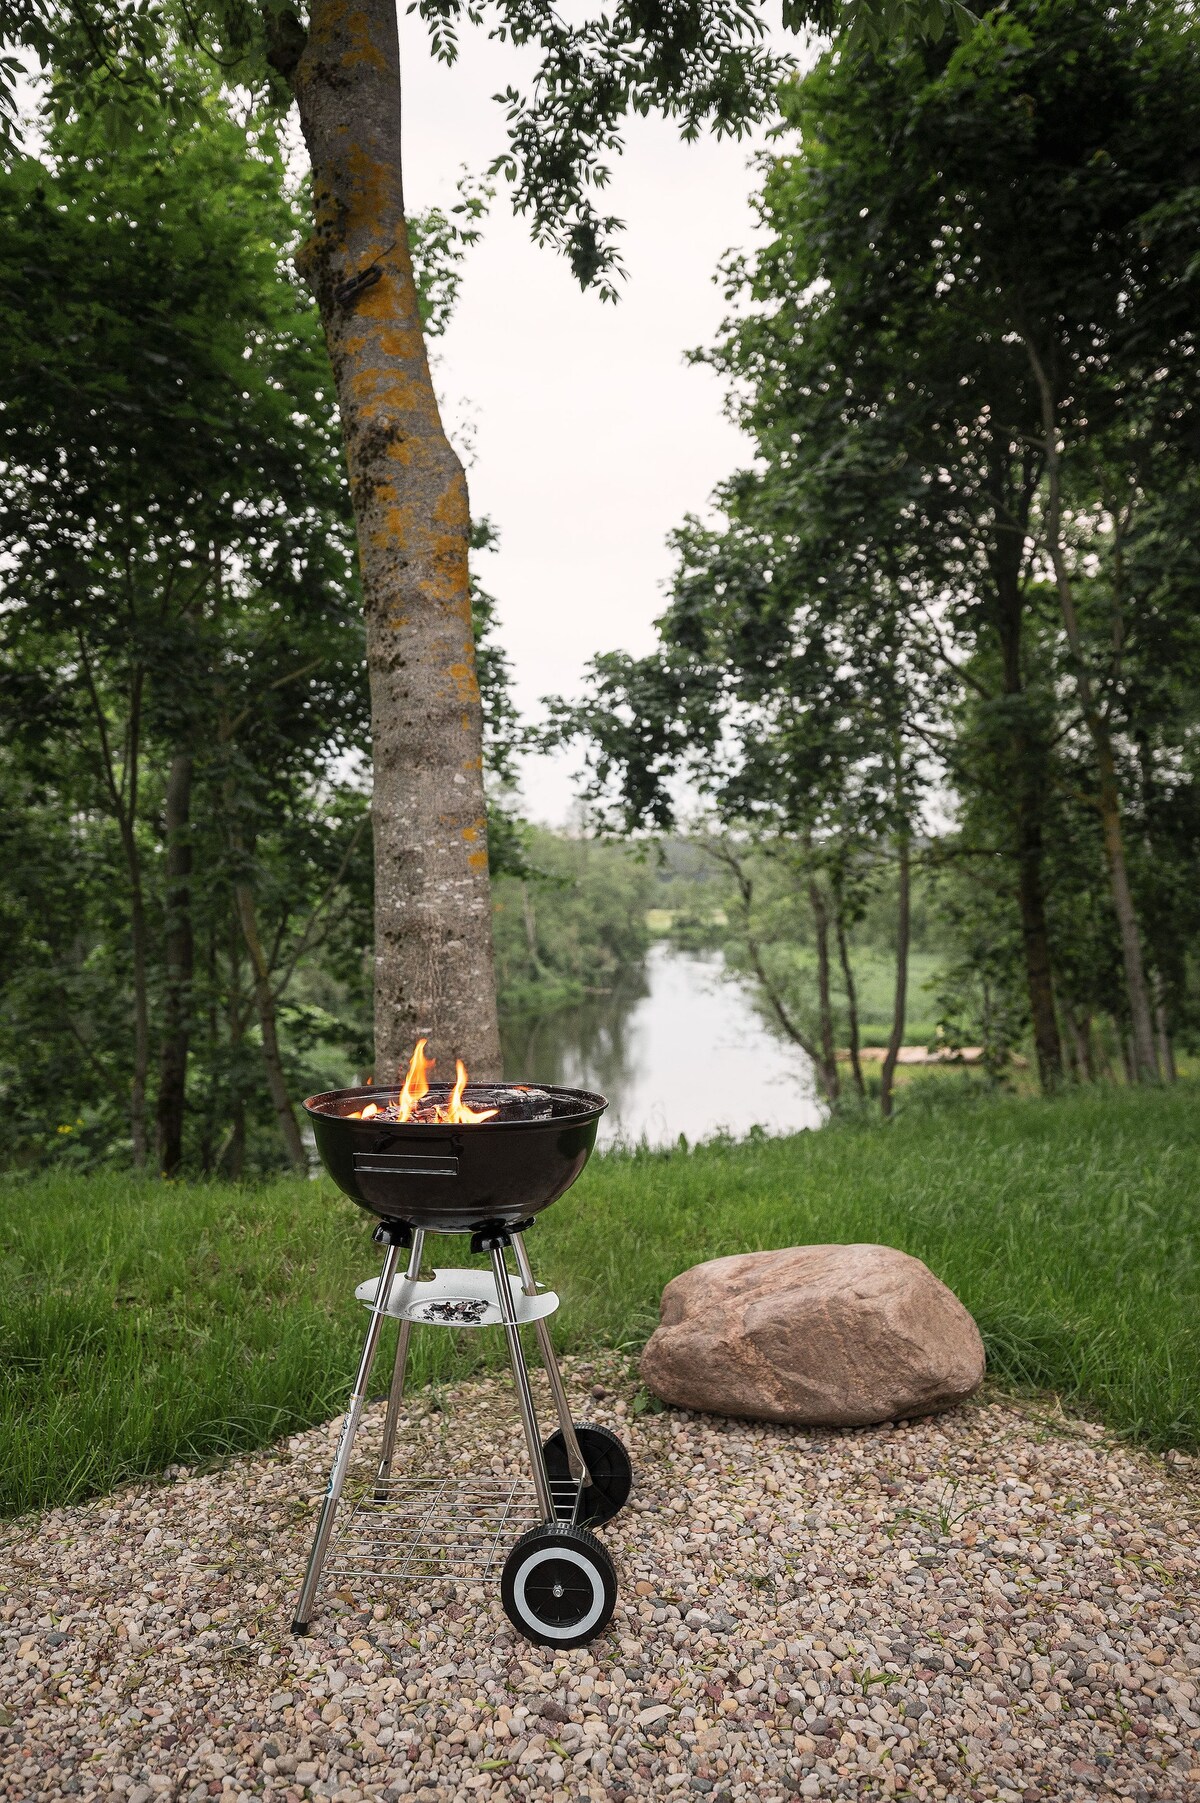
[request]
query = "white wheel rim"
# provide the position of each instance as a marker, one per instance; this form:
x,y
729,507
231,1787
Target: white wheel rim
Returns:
x,y
530,1564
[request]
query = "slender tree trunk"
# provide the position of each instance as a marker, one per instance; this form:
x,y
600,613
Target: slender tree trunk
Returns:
x,y
139,946
1128,1058
1162,1030
1039,982
207,1121
1027,763
1101,1058
791,1027
264,1008
824,999
851,1000
1162,1033
900,1001
1081,1032
234,1146
1145,1064
434,973
179,957
531,938
123,796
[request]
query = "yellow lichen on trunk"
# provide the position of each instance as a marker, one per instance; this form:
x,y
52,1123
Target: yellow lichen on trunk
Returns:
x,y
433,964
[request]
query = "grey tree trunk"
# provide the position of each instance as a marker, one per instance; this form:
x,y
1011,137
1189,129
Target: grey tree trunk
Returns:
x,y
1026,771
900,1002
1144,1062
434,972
264,1008
179,956
123,794
820,913
851,1000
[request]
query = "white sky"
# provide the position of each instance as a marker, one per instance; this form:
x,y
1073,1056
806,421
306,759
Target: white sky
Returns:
x,y
591,436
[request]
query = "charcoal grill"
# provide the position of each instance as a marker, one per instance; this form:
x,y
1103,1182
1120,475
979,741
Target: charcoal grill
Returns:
x,y
488,1180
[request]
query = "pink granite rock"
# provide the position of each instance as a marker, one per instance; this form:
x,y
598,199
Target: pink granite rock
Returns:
x,y
819,1336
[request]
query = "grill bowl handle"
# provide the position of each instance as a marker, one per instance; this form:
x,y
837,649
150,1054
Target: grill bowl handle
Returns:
x,y
406,1164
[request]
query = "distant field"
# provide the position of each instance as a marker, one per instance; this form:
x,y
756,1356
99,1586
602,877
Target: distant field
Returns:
x,y
875,980
146,1324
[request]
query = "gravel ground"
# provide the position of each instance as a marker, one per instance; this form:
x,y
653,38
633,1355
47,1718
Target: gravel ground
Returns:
x,y
991,1604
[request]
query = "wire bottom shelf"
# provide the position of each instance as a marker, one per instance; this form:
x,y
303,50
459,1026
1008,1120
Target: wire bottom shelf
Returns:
x,y
454,1526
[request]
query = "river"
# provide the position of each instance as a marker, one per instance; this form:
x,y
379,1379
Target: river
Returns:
x,y
682,1051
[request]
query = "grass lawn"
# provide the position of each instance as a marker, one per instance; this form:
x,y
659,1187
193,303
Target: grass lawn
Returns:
x,y
145,1324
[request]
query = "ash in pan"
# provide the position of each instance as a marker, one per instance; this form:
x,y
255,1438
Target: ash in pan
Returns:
x,y
467,1311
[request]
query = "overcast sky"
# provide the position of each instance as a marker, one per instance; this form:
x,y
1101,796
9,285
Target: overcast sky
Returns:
x,y
591,437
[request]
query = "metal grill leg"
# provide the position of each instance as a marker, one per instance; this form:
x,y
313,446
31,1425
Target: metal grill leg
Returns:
x,y
341,1459
576,1463
396,1394
512,1334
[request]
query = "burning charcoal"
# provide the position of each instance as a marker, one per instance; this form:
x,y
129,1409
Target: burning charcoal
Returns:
x,y
515,1102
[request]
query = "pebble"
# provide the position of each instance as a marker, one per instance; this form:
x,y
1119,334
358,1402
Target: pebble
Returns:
x,y
997,1603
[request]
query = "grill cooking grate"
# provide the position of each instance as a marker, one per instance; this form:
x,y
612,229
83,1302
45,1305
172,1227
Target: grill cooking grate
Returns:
x,y
451,1526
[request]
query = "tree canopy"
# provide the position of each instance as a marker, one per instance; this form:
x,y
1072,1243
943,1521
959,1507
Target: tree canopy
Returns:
x,y
185,716
966,360
707,64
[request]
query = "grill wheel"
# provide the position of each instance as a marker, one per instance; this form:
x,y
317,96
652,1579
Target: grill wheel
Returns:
x,y
608,1464
559,1587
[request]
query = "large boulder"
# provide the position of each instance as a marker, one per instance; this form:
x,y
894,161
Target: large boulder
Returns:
x,y
819,1336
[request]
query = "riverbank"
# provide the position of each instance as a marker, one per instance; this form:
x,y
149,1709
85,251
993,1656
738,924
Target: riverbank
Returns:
x,y
144,1325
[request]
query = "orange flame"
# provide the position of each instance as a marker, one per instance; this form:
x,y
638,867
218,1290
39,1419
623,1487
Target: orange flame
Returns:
x,y
456,1110
416,1082
454,1113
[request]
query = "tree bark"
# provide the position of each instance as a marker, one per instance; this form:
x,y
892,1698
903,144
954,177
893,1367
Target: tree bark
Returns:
x,y
179,957
1145,1063
900,1001
434,972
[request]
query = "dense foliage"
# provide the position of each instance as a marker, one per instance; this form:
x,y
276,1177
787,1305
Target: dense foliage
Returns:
x,y
185,892
704,63
572,922
959,577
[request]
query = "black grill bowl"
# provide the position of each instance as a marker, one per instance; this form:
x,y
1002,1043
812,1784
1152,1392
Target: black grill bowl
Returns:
x,y
457,1179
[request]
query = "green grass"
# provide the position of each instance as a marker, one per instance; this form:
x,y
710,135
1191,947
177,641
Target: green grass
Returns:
x,y
875,983
145,1324
875,986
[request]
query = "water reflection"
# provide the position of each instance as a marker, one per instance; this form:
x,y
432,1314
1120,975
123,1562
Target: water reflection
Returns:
x,y
681,1051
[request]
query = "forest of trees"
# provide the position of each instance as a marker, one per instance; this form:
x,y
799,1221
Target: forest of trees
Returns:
x,y
185,750
930,669
948,617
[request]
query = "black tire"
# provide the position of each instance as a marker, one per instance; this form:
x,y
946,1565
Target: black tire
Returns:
x,y
609,1468
559,1587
